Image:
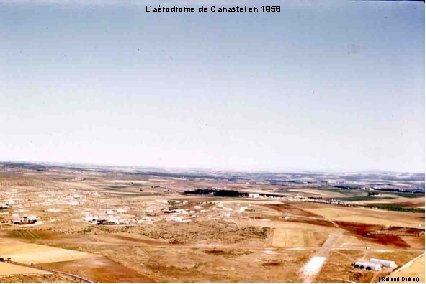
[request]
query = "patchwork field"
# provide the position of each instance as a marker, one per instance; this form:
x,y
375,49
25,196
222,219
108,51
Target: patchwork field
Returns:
x,y
293,237
151,232
369,216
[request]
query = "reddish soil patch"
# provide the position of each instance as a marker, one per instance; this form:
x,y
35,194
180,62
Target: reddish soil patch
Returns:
x,y
289,209
98,269
257,217
389,240
402,231
374,233
272,263
215,251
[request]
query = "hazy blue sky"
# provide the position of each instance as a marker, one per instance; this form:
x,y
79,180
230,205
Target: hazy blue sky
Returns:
x,y
322,85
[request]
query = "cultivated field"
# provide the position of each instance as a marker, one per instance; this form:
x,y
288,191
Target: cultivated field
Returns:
x,y
155,233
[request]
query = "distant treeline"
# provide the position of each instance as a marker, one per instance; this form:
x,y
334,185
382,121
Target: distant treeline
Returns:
x,y
395,207
216,192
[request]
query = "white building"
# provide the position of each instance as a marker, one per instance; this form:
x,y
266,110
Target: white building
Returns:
x,y
122,210
243,209
91,219
4,206
25,219
367,265
385,263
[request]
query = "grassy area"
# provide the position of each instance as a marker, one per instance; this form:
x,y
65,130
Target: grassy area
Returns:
x,y
362,198
394,207
408,195
342,190
354,194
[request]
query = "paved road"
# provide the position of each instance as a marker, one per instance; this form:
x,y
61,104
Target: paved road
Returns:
x,y
315,263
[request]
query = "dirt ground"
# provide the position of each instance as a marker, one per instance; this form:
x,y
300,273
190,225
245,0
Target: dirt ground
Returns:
x,y
98,269
37,278
7,269
414,270
289,237
28,253
256,241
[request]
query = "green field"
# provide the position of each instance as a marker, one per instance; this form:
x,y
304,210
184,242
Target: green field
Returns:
x,y
395,207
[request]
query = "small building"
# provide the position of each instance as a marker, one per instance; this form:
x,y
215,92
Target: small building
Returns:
x,y
121,210
243,209
112,221
145,220
91,219
108,221
367,265
26,219
4,206
385,263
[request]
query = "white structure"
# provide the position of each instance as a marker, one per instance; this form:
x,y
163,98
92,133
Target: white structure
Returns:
x,y
243,209
385,263
112,221
54,210
145,220
4,206
179,219
73,202
25,219
122,210
91,219
367,265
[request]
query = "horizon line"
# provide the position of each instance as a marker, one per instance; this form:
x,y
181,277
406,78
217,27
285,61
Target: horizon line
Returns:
x,y
214,169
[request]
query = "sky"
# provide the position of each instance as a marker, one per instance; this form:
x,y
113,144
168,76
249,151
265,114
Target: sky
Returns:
x,y
322,85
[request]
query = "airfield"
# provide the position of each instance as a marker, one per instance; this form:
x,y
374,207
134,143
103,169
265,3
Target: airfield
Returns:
x,y
115,226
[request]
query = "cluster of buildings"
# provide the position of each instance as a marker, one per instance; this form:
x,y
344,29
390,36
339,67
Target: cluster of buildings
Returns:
x,y
21,207
375,264
109,216
267,196
11,201
153,211
26,219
